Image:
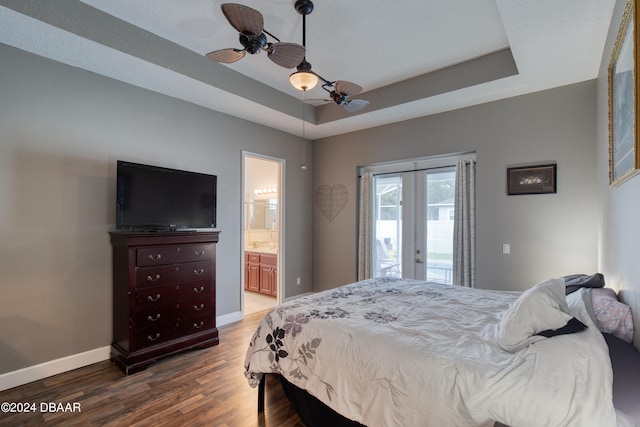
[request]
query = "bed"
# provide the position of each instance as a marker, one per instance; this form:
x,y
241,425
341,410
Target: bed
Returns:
x,y
400,352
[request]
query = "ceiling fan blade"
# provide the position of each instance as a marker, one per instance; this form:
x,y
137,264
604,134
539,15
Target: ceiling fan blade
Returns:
x,y
243,18
287,55
347,88
226,56
354,105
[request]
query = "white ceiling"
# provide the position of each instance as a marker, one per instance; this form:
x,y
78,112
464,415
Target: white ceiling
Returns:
x,y
457,52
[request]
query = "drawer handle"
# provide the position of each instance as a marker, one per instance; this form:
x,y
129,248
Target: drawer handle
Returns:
x,y
153,319
198,253
153,279
150,338
197,291
198,272
152,299
196,308
198,325
155,257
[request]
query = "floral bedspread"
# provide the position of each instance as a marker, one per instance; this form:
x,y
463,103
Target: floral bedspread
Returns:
x,y
398,352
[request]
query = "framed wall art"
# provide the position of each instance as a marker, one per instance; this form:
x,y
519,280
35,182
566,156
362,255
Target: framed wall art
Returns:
x,y
539,179
624,149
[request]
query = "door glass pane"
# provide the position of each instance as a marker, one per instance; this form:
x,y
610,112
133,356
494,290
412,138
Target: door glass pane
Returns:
x,y
440,187
388,226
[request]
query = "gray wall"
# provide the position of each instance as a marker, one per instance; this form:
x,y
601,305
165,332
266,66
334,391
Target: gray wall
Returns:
x,y
550,235
61,131
619,227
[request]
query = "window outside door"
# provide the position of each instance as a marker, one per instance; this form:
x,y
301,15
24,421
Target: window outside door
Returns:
x,y
413,230
388,236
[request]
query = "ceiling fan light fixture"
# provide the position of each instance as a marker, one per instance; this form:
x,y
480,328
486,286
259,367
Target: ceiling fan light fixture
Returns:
x,y
303,80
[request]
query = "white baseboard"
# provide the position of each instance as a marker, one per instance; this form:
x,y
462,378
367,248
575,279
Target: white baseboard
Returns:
x,y
75,361
228,318
53,367
237,316
298,296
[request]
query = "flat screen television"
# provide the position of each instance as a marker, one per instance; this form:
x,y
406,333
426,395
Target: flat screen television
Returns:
x,y
156,198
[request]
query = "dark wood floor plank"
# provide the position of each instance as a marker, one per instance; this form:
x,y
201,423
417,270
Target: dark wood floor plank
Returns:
x,y
198,388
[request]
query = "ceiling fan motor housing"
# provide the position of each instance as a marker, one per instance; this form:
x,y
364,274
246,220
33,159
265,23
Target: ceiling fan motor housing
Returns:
x,y
251,42
304,7
338,98
304,66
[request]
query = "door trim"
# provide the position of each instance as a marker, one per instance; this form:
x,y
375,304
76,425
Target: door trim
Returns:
x,y
411,171
281,221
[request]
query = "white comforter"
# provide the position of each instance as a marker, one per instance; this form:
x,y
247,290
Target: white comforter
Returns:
x,y
396,352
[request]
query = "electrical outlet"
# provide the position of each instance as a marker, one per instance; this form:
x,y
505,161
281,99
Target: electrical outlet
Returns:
x,y
506,248
298,281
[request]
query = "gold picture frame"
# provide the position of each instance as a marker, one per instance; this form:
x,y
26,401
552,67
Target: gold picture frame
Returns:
x,y
624,145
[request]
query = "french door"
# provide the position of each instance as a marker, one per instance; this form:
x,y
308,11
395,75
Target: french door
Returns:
x,y
413,218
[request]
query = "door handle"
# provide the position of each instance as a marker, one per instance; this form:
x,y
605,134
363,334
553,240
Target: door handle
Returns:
x,y
419,261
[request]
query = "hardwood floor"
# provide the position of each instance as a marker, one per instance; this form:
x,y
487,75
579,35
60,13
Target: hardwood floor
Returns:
x,y
199,388
254,302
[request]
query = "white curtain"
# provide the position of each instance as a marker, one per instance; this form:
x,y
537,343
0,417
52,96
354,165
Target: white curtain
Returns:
x,y
464,225
365,235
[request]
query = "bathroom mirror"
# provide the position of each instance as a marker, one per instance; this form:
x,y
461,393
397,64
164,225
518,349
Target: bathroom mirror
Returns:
x,y
262,214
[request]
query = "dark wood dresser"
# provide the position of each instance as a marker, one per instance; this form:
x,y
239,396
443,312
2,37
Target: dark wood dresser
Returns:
x,y
164,295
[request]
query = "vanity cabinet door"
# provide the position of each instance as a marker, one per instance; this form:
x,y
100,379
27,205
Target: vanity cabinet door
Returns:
x,y
269,274
253,277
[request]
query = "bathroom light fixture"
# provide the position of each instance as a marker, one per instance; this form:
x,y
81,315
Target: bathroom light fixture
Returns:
x,y
268,190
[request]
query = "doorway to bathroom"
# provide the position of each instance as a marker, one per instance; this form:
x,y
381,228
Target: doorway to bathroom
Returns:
x,y
262,232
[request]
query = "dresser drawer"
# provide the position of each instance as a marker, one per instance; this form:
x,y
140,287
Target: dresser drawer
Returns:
x,y
195,307
147,337
172,254
156,296
162,295
154,315
155,335
193,325
189,291
179,273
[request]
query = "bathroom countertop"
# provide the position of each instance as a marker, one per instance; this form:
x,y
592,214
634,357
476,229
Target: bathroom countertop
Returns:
x,y
271,251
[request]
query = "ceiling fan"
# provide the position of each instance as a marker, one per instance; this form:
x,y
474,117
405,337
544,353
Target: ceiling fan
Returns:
x,y
304,78
340,91
253,37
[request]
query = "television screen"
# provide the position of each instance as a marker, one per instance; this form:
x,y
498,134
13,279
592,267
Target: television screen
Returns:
x,y
152,197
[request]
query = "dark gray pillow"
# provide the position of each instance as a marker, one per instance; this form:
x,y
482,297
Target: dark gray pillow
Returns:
x,y
574,282
572,326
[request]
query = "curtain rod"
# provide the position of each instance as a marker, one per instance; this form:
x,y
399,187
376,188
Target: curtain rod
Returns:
x,y
411,170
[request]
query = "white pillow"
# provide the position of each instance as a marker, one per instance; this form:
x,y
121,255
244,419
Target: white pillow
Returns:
x,y
538,309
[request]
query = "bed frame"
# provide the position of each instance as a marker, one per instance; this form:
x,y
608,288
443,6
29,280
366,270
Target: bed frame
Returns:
x,y
312,411
625,361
